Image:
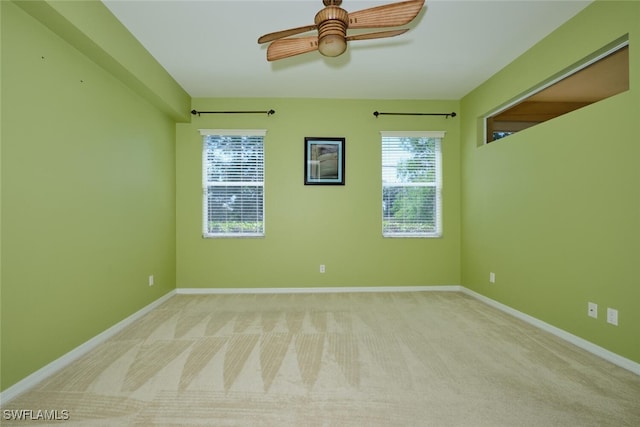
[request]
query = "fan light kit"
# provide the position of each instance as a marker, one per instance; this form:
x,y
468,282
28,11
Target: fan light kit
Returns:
x,y
332,24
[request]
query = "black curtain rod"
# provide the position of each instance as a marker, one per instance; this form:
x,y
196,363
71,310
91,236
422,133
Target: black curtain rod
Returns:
x,y
268,113
376,113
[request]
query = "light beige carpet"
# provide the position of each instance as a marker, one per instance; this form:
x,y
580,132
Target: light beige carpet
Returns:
x,y
352,359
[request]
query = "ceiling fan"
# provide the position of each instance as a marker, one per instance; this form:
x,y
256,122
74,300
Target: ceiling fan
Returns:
x,y
332,24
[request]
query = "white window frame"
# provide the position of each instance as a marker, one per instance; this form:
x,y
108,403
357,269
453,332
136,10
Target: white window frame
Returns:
x,y
439,136
206,185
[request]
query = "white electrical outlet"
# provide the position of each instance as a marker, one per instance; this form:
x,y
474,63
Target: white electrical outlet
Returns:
x,y
592,310
612,316
322,269
492,277
151,280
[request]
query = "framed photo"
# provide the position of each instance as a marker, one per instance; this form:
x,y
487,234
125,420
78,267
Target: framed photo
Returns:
x,y
323,161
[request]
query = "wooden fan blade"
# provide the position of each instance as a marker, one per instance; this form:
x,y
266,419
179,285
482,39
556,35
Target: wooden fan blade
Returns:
x,y
378,35
388,15
286,33
285,48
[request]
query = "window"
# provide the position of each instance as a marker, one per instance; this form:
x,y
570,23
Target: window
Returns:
x,y
411,184
599,76
233,183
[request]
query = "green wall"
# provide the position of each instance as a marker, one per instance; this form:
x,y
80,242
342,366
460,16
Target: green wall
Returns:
x,y
339,226
88,197
101,188
554,210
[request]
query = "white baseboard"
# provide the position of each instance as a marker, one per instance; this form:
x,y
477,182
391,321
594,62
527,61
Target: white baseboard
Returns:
x,y
48,370
325,290
601,352
53,367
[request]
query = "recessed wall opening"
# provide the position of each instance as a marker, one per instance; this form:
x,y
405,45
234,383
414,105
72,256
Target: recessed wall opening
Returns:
x,y
601,75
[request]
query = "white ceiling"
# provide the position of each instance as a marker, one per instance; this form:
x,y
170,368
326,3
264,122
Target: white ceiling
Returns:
x,y
210,46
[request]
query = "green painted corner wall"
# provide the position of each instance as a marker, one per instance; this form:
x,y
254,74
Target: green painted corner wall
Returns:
x,y
90,27
339,226
101,188
88,198
554,210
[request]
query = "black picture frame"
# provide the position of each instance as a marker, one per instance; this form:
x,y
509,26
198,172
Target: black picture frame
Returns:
x,y
324,160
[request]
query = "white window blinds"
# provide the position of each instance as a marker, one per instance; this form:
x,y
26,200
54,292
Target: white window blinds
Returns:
x,y
411,184
233,183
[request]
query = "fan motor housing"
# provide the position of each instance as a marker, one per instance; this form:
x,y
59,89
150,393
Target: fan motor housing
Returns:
x,y
332,22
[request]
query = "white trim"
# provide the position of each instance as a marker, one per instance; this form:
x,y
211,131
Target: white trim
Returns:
x,y
400,235
592,348
206,185
439,185
414,134
48,370
233,132
321,290
393,149
567,72
64,360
